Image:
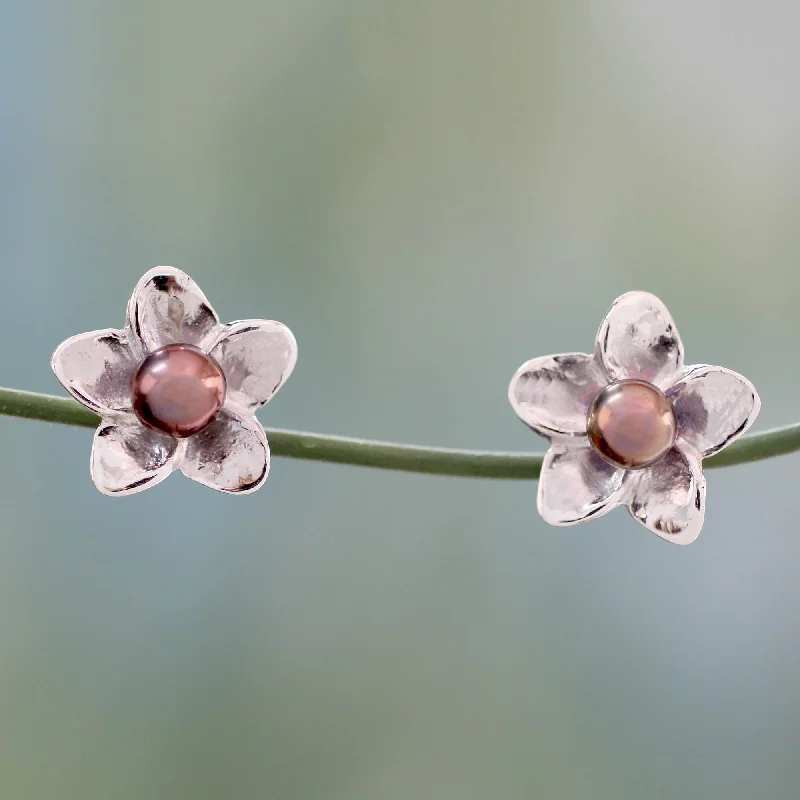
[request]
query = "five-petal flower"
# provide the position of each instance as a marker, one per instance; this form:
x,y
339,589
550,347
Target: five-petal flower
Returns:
x,y
631,424
176,389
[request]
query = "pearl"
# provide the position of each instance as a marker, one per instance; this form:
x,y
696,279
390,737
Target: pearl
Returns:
x,y
178,390
631,424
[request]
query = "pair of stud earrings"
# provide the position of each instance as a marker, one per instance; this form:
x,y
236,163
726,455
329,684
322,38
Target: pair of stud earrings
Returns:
x,y
628,425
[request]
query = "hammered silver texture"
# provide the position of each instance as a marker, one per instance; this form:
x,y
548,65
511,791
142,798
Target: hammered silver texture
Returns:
x,y
552,394
669,498
258,356
713,406
167,307
231,455
638,339
97,369
127,457
576,484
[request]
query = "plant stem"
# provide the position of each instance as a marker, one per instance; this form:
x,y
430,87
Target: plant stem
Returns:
x,y
385,455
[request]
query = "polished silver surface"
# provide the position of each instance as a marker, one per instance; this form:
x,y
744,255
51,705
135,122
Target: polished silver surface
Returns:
x,y
638,340
231,454
167,307
669,498
577,483
97,368
713,406
258,356
552,394
207,458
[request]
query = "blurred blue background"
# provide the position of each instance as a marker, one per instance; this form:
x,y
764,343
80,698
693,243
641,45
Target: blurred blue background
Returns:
x,y
428,192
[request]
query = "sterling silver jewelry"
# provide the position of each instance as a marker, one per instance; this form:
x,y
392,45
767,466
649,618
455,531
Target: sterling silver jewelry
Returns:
x,y
630,425
175,389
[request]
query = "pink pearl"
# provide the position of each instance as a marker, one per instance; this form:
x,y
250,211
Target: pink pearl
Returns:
x,y
631,424
178,390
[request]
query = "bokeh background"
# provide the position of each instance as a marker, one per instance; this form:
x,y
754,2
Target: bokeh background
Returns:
x,y
428,192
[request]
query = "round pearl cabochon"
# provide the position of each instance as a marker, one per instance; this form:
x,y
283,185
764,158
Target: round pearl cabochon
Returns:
x,y
631,424
178,390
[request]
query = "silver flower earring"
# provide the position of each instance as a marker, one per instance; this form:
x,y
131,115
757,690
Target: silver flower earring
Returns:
x,y
175,389
631,424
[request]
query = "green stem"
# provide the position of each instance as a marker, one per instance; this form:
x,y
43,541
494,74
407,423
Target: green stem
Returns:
x,y
384,455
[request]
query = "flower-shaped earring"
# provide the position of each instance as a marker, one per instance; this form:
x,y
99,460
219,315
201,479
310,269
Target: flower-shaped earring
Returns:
x,y
175,389
631,424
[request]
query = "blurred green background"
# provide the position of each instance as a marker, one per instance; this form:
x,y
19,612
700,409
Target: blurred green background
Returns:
x,y
428,192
